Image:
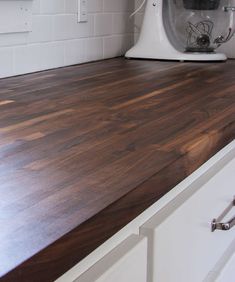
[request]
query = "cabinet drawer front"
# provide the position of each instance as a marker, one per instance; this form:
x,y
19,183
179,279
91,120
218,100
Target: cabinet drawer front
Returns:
x,y
181,245
127,262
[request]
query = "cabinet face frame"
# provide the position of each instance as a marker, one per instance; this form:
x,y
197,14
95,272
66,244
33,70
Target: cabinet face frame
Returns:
x,y
179,236
127,262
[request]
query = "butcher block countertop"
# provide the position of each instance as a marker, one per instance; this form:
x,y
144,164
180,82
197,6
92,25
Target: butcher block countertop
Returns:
x,y
86,149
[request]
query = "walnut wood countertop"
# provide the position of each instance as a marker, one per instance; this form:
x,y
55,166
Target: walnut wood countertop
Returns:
x,y
86,149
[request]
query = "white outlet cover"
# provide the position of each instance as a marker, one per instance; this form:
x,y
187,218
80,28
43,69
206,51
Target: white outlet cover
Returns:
x,y
82,11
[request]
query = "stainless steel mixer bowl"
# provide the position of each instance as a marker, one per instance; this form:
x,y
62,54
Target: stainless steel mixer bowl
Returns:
x,y
199,25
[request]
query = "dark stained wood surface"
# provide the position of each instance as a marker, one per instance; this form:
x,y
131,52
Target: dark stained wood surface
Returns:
x,y
86,149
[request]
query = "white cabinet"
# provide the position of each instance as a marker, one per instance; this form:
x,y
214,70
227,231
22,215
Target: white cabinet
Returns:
x,y
125,263
173,240
181,243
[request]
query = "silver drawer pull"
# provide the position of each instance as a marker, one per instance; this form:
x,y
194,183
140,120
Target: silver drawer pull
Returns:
x,y
227,9
218,225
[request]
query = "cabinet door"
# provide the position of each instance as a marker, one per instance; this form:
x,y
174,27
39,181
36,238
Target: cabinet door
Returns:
x,y
126,263
182,246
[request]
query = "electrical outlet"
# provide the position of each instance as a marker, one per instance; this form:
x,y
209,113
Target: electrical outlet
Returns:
x,y
82,11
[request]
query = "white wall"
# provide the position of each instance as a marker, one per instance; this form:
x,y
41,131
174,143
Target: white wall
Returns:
x,y
58,40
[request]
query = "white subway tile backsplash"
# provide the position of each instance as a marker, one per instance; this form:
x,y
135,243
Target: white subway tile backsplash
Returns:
x,y
229,48
57,39
52,6
38,57
63,27
84,29
116,45
138,19
26,59
95,6
75,51
118,5
122,23
94,49
52,55
71,6
6,62
11,39
36,7
42,29
103,24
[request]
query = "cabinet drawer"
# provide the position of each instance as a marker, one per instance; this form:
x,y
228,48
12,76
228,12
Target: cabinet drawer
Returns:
x,y
181,246
127,262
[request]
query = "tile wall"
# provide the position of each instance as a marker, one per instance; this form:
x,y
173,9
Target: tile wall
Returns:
x,y
57,39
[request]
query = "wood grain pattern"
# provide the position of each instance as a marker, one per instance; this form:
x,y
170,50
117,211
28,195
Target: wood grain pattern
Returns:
x,y
86,149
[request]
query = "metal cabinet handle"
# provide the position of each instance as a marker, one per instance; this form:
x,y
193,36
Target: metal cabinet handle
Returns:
x,y
218,225
227,9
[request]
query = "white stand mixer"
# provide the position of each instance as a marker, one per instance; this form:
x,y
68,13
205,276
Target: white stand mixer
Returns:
x,y
154,41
